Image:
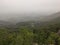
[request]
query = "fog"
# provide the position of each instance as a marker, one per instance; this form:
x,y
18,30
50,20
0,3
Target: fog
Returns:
x,y
21,8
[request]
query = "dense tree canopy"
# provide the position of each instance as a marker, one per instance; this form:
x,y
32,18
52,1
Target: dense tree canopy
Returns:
x,y
24,35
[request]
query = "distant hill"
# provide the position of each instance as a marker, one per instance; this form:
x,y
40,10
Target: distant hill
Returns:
x,y
51,19
27,17
37,20
5,23
55,16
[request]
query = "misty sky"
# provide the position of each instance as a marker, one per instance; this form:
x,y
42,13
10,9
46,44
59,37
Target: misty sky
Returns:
x,y
24,6
28,6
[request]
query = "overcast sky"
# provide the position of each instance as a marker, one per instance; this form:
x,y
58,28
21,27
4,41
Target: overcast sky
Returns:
x,y
29,6
25,6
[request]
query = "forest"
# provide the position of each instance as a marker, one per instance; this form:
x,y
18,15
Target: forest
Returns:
x,y
25,34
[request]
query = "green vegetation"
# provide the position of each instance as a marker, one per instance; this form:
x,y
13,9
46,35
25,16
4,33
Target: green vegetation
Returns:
x,y
31,33
23,35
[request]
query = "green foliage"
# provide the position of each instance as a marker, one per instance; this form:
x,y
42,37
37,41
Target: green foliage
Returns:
x,y
23,35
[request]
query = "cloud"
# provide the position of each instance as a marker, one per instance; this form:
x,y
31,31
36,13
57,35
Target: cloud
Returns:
x,y
21,6
10,8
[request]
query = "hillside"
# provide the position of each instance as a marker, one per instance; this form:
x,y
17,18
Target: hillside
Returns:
x,y
54,18
37,21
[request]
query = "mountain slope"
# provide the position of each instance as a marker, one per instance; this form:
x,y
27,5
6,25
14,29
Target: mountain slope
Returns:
x,y
52,19
55,16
